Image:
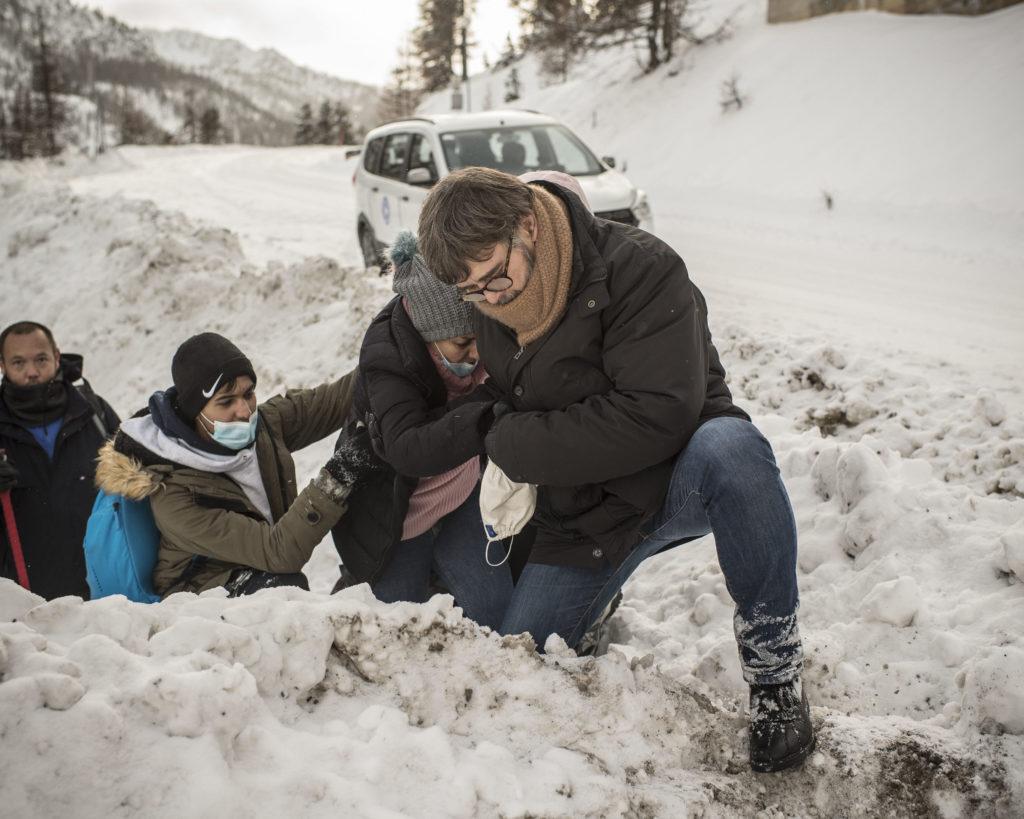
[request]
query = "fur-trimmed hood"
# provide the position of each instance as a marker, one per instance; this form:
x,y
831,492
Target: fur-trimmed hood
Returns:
x,y
121,474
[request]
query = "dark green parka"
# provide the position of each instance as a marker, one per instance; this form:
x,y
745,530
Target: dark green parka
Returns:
x,y
207,515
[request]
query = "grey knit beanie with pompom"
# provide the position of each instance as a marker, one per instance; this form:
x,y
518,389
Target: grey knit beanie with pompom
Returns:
x,y
435,308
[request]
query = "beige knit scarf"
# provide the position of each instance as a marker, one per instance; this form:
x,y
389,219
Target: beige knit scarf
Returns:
x,y
541,304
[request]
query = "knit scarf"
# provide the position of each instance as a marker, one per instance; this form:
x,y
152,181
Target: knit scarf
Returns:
x,y
541,303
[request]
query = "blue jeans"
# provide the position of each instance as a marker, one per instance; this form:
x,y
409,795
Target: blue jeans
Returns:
x,y
725,482
454,548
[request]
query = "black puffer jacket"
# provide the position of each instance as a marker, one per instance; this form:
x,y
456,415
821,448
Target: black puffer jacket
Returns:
x,y
403,402
608,398
54,498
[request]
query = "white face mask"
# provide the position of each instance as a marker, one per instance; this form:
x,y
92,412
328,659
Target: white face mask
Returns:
x,y
459,368
505,507
233,434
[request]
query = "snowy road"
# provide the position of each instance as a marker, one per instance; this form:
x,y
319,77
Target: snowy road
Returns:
x,y
284,205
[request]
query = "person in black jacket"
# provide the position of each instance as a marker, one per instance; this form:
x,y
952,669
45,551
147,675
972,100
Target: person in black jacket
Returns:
x,y
619,412
417,394
50,431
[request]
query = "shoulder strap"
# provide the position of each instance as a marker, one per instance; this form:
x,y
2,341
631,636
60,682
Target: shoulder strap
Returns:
x,y
85,388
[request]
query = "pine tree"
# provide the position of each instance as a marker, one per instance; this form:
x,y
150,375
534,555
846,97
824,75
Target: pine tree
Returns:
x,y
52,113
324,131
22,131
343,125
508,54
436,40
132,122
558,30
512,85
3,130
304,129
190,127
210,125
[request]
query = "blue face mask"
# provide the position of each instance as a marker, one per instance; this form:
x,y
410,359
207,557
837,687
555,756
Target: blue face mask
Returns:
x,y
459,368
234,434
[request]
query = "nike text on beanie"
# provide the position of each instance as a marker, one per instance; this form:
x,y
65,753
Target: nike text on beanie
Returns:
x,y
201,366
435,308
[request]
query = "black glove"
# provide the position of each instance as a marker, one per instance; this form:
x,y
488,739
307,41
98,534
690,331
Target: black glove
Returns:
x,y
354,461
481,392
9,476
490,418
502,407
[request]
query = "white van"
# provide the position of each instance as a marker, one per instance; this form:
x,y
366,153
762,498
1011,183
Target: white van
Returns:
x,y
401,160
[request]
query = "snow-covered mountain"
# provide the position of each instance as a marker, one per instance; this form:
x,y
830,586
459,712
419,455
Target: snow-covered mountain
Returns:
x,y
266,77
104,65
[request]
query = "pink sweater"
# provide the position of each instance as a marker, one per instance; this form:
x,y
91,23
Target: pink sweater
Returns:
x,y
438,495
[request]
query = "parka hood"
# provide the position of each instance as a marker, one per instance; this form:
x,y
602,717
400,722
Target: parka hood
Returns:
x,y
71,366
122,474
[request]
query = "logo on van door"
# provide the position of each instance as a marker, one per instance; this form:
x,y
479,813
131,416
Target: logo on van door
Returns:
x,y
385,210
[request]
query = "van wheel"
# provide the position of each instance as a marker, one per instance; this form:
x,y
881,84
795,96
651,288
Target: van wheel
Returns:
x,y
368,244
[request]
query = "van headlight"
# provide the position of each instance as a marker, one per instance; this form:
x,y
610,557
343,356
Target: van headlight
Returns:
x,y
641,207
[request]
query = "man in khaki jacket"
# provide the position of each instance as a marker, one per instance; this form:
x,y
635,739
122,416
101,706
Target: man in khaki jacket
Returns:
x,y
219,474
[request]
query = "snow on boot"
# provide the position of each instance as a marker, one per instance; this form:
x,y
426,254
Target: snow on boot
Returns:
x,y
781,734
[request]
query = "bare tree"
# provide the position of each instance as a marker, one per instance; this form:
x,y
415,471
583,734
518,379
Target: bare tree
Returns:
x,y
567,28
400,98
732,97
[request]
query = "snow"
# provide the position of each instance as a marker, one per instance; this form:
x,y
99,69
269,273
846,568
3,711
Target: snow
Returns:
x,y
877,344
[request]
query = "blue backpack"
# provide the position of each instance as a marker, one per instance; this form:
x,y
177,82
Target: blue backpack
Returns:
x,y
121,541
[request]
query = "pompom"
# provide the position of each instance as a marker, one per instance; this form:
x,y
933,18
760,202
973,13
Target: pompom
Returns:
x,y
403,248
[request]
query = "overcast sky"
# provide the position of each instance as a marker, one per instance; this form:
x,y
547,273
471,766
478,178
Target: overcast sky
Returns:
x,y
352,39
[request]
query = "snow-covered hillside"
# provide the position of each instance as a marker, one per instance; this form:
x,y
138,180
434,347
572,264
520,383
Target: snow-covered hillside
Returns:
x,y
877,344
258,94
268,78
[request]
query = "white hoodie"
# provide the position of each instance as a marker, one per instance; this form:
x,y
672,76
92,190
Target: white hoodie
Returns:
x,y
243,467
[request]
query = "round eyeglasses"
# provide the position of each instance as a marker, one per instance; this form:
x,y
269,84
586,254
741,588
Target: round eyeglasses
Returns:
x,y
497,283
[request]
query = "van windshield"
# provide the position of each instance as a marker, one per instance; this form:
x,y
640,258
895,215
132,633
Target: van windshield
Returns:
x,y
517,150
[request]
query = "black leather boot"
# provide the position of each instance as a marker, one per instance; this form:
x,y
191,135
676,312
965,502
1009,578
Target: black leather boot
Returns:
x,y
781,734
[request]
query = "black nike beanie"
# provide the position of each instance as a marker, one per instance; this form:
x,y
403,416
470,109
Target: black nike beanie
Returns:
x,y
201,366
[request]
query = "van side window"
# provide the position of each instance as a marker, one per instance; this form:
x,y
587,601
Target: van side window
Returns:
x,y
396,151
371,156
423,156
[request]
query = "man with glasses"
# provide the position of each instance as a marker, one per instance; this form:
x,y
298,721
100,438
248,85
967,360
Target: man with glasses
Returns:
x,y
620,414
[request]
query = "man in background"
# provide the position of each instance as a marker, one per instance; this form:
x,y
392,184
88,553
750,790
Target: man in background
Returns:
x,y
51,431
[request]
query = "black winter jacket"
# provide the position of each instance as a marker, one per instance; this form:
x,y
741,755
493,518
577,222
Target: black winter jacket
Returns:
x,y
403,402
607,398
53,499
